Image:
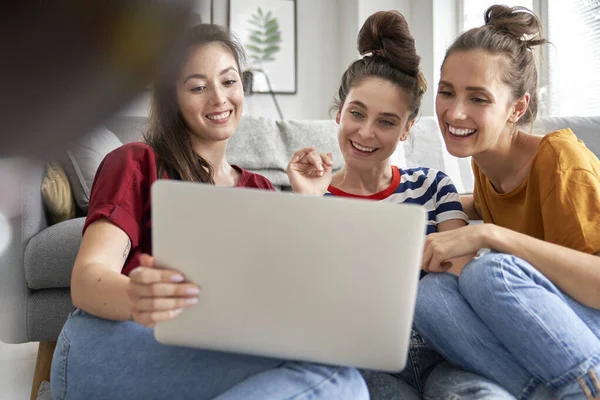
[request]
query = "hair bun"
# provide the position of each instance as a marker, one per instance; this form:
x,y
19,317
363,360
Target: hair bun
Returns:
x,y
386,34
519,22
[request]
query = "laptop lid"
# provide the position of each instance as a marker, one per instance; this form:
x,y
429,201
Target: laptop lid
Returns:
x,y
321,279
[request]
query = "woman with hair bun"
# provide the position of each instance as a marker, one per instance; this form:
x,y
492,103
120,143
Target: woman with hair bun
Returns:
x,y
378,101
527,313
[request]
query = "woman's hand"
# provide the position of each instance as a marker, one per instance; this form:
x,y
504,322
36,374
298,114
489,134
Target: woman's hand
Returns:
x,y
441,247
310,171
158,294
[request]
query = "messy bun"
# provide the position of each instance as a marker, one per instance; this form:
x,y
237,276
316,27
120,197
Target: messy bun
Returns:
x,y
519,22
389,53
512,32
386,33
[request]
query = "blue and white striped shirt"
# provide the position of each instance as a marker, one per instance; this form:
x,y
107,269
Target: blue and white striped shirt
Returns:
x,y
424,186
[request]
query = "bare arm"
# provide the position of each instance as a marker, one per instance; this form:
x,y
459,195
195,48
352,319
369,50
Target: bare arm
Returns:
x,y
458,263
97,285
468,205
149,295
574,272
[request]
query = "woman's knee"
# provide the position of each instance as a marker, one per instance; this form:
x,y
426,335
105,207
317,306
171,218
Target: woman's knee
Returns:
x,y
82,347
492,276
351,383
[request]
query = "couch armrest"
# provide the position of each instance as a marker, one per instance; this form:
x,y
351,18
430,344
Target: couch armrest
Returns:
x,y
50,255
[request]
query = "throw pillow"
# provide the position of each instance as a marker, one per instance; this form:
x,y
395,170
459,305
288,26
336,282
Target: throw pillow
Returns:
x,y
83,159
56,193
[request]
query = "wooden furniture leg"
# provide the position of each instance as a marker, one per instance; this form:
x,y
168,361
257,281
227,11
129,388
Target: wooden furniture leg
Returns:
x,y
42,366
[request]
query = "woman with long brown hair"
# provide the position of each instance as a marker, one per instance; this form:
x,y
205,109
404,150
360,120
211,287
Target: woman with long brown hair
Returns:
x,y
107,349
527,313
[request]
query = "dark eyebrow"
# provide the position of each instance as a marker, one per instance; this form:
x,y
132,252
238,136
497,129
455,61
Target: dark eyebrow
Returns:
x,y
385,114
470,89
202,76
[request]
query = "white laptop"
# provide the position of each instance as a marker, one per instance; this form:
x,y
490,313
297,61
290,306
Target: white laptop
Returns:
x,y
321,279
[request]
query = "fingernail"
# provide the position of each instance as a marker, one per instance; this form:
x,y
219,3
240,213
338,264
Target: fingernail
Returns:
x,y
177,278
177,311
192,291
191,300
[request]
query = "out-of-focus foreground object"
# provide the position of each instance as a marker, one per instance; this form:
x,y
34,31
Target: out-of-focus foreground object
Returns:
x,y
66,67
69,64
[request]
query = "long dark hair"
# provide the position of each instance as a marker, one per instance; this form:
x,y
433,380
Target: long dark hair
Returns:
x,y
512,32
167,133
393,57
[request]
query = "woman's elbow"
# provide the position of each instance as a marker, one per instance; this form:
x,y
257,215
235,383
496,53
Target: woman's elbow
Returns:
x,y
76,287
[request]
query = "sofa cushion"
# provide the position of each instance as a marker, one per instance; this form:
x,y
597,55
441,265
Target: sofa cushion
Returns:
x,y
57,195
265,145
50,255
83,159
425,147
585,128
128,128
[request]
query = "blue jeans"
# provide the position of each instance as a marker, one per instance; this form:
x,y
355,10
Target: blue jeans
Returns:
x,y
409,383
506,321
101,359
428,376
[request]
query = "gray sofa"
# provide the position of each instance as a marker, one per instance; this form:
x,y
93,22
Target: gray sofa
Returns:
x,y
35,271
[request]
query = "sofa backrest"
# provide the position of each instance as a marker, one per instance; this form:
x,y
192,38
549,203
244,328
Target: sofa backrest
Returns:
x,y
586,129
264,145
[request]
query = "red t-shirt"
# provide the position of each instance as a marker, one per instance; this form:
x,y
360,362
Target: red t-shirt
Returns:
x,y
121,194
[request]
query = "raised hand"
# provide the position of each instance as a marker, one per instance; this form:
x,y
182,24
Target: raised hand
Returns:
x,y
310,171
158,294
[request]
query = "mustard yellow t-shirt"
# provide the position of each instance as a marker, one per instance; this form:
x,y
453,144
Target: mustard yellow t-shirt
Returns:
x,y
558,202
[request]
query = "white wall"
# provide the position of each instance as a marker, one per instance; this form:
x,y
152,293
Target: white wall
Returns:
x,y
326,45
317,65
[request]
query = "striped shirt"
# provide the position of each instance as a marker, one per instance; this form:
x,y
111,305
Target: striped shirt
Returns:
x,y
424,186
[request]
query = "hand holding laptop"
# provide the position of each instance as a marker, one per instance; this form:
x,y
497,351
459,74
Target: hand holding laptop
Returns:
x,y
158,294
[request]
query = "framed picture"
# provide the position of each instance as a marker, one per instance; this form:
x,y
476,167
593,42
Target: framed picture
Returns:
x,y
267,30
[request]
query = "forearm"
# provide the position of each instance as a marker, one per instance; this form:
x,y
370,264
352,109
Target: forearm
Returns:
x,y
574,272
101,291
468,204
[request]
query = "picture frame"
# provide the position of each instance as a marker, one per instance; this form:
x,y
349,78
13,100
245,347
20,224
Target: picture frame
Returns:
x,y
267,31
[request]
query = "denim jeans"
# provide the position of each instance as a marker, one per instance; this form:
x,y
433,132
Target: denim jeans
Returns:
x,y
101,359
428,376
506,321
410,382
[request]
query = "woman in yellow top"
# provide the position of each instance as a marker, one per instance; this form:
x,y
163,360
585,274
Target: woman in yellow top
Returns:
x,y
527,313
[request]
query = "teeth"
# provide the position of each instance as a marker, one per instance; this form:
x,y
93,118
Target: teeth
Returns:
x,y
460,132
362,148
218,117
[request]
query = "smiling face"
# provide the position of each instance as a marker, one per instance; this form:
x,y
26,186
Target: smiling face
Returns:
x,y
210,93
475,108
372,121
